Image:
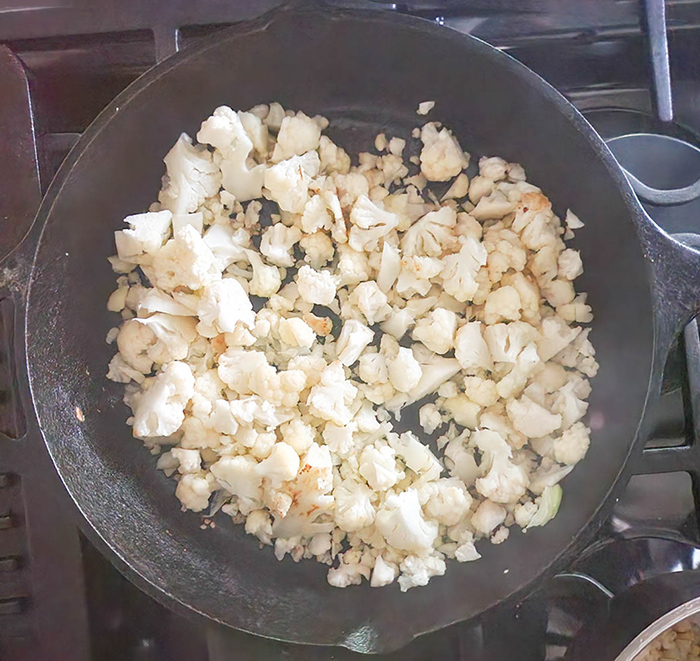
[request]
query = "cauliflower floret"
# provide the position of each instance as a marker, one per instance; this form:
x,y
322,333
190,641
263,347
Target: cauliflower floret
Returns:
x,y
471,349
460,461
572,445
329,399
280,466
415,455
287,183
196,436
184,261
570,265
573,222
488,517
353,506
555,336
558,292
383,573
505,482
506,341
353,266
297,135
316,287
193,492
481,391
429,418
145,235
369,224
237,365
531,419
492,167
192,177
159,407
224,304
436,370
228,244
568,402
416,274
353,340
347,573
441,157
436,330
458,189
316,215
417,571
432,234
295,332
225,132
493,206
446,500
258,523
460,269
373,368
405,371
174,336
298,435
240,476
311,497
371,301
333,158
277,244
134,342
318,249
390,267
340,440
266,279
121,372
400,519
524,512
189,461
378,467
502,303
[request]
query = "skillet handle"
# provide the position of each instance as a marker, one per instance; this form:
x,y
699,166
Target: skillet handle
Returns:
x,y
674,264
20,196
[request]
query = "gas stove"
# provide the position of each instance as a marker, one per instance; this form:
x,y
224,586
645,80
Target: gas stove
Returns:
x,y
61,63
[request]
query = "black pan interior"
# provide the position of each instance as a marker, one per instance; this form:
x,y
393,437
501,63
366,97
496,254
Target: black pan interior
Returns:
x,y
374,69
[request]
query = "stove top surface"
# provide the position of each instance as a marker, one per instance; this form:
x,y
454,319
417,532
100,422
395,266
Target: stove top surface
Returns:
x,y
76,58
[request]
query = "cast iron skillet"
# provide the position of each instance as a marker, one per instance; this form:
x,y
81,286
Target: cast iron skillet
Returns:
x,y
371,70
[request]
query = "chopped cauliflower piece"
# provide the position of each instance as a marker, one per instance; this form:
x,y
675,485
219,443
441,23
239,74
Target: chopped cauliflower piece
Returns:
x,y
159,408
193,491
369,224
424,107
297,135
441,157
278,244
192,177
225,132
436,330
371,301
353,339
184,261
460,269
287,182
403,525
404,370
316,287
